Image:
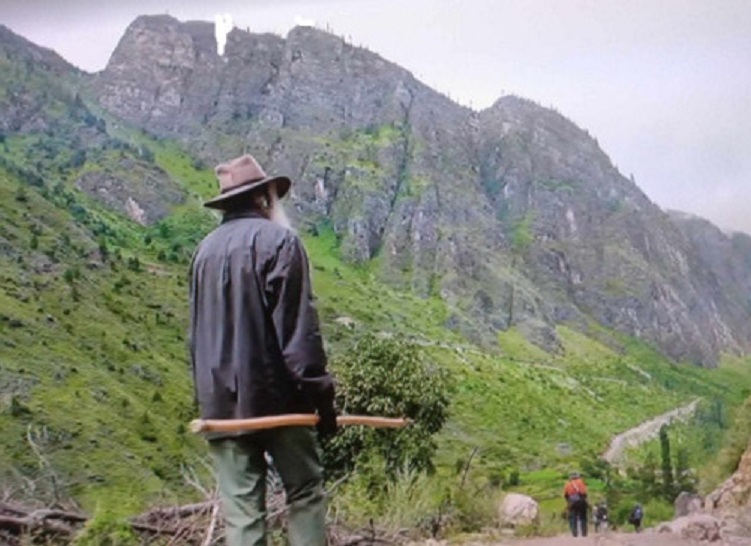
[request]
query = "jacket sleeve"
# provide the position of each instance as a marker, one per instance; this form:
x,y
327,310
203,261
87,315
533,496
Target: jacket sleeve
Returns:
x,y
296,323
192,284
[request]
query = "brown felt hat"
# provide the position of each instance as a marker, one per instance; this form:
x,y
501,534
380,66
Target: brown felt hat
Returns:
x,y
241,175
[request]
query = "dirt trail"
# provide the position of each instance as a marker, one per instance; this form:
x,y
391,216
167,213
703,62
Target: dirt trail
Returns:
x,y
609,539
646,431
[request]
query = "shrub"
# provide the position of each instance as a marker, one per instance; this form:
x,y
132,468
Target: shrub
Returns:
x,y
134,264
388,377
105,529
21,195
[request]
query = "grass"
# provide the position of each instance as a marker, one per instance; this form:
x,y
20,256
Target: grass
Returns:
x,y
100,381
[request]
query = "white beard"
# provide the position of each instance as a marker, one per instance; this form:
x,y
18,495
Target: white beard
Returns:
x,y
276,211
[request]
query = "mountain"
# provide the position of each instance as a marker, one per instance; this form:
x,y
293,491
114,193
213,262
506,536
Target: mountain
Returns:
x,y
513,215
503,242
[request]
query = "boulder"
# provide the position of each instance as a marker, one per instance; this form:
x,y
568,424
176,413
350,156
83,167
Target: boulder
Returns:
x,y
518,511
687,503
694,527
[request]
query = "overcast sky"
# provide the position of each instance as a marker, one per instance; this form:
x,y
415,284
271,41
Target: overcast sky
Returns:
x,y
664,85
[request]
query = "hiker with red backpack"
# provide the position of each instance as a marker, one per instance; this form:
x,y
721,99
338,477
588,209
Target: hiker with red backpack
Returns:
x,y
575,493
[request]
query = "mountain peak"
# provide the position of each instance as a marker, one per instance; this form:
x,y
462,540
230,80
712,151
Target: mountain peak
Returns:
x,y
17,47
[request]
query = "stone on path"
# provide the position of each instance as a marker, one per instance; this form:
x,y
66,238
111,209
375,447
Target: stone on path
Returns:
x,y
694,527
518,510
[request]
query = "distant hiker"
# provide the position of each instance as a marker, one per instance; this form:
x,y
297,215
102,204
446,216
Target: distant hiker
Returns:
x,y
256,350
601,517
637,514
575,493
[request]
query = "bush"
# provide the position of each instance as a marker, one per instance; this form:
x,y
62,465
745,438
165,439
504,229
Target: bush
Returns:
x,y
388,377
78,159
146,154
409,501
21,195
105,529
472,508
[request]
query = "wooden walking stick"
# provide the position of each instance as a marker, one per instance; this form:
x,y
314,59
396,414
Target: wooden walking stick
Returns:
x,y
291,420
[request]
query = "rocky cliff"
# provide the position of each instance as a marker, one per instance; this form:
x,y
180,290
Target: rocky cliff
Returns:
x,y
512,215
40,101
731,503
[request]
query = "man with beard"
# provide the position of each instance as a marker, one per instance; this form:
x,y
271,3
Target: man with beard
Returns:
x,y
256,350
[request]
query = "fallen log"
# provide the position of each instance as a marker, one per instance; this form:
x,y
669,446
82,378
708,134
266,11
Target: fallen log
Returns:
x,y
18,525
177,511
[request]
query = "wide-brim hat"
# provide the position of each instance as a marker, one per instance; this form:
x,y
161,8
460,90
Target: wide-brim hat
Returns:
x,y
242,175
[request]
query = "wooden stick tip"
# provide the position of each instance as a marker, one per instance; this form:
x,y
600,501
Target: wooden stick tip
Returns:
x,y
196,425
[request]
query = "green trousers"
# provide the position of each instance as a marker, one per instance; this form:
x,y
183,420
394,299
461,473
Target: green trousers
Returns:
x,y
241,472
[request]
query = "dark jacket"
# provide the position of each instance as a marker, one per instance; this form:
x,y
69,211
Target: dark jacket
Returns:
x,y
255,343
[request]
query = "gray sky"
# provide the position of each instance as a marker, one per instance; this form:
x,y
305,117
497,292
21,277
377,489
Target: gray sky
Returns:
x,y
664,85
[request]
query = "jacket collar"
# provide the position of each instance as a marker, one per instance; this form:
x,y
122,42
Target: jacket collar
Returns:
x,y
235,215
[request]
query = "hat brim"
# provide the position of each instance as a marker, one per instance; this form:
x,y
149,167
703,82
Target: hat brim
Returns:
x,y
282,187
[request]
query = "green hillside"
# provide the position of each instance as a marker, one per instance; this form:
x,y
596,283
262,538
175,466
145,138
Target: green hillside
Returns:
x,y
95,385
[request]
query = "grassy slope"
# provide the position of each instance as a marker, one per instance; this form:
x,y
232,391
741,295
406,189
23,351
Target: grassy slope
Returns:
x,y
94,366
84,358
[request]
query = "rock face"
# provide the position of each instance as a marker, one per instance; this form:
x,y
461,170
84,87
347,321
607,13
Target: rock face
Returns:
x,y
513,215
597,241
40,96
731,504
518,511
687,503
735,492
23,64
139,190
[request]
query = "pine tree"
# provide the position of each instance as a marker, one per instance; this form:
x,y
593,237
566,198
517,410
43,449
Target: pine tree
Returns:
x,y
668,485
648,475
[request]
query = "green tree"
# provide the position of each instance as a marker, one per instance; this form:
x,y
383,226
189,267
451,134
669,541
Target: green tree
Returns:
x,y
134,264
596,467
668,485
684,475
388,377
521,235
521,239
21,196
78,159
647,476
104,250
146,154
71,274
